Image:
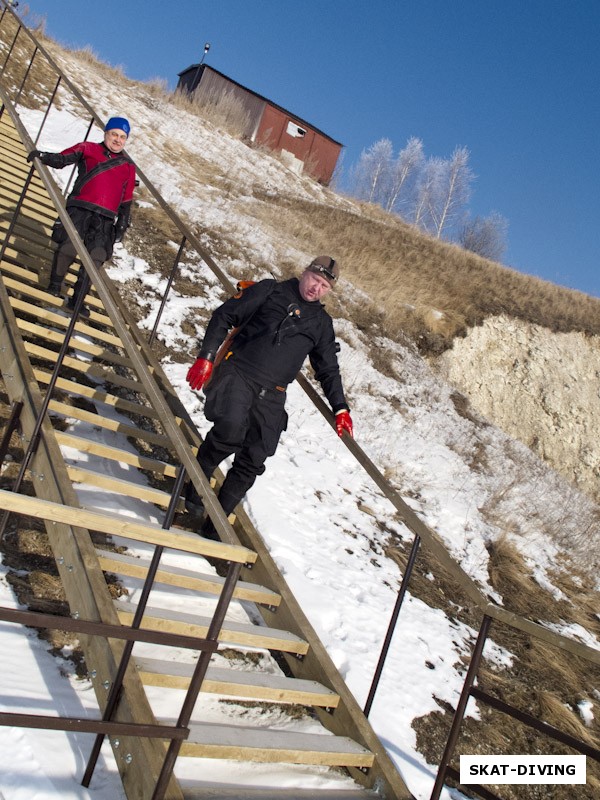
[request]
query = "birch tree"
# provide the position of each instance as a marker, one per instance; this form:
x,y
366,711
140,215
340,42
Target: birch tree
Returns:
x,y
402,172
453,190
426,192
485,236
373,170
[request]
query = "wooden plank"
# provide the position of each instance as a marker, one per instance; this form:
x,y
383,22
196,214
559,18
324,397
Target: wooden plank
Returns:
x,y
199,792
114,525
58,337
58,319
73,388
40,217
109,424
115,454
274,746
235,633
25,267
10,194
122,564
32,233
121,486
260,686
93,370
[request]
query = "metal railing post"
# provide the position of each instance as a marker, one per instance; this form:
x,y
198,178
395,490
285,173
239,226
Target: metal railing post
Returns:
x,y
391,627
461,707
47,111
27,71
10,49
167,290
197,678
74,170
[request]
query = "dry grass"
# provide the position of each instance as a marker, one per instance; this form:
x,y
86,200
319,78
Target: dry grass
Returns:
x,y
407,274
225,111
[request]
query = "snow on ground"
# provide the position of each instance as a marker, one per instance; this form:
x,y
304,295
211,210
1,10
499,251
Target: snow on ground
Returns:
x,y
316,508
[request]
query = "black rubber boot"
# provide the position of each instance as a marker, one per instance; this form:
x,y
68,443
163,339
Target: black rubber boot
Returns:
x,y
55,282
208,530
193,502
55,288
83,311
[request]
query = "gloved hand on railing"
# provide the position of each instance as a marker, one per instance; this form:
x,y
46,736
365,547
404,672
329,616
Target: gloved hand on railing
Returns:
x,y
34,154
343,422
199,373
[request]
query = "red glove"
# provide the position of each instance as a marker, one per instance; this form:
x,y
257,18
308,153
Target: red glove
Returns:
x,y
199,373
343,422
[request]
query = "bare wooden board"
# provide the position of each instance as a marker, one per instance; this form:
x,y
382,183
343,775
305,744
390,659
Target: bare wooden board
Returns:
x,y
237,683
237,633
123,564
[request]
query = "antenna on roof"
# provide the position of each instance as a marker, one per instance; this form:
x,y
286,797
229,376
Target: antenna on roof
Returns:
x,y
206,49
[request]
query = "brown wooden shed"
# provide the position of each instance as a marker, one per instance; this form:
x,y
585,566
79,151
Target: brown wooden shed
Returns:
x,y
307,148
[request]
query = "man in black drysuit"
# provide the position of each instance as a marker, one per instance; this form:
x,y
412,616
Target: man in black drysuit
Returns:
x,y
279,324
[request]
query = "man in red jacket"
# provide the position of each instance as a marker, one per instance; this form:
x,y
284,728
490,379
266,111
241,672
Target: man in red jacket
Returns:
x,y
99,204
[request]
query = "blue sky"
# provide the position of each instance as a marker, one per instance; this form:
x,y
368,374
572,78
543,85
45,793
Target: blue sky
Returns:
x,y
514,81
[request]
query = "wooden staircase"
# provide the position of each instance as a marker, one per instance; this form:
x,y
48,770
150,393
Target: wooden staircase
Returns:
x,y
100,384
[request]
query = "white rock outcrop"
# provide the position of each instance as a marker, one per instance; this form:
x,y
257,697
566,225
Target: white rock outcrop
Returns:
x,y
543,388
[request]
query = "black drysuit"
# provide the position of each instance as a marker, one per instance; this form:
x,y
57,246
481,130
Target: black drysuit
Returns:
x,y
246,397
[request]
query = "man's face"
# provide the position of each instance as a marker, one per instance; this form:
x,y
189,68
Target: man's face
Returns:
x,y
115,140
313,286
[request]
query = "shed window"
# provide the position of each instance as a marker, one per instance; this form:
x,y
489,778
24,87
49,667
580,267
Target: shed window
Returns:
x,y
295,131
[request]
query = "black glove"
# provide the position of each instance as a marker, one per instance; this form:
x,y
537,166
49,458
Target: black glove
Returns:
x,y
34,154
123,221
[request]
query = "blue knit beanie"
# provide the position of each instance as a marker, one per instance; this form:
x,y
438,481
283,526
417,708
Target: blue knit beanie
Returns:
x,y
119,123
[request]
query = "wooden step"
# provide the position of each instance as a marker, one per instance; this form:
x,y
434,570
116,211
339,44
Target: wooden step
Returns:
x,y
260,686
132,431
122,487
116,525
76,343
82,390
10,194
234,633
24,269
115,454
60,320
354,792
122,564
91,369
274,746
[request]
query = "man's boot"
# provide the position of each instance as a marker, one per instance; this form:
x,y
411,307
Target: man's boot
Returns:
x,y
193,502
55,282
